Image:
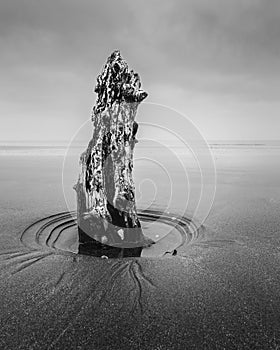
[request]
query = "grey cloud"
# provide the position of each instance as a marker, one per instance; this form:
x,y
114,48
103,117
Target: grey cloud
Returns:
x,y
51,51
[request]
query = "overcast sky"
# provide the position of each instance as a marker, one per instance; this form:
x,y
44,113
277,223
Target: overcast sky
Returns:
x,y
216,61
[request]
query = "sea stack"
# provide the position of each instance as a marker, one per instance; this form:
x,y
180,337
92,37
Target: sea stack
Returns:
x,y
106,212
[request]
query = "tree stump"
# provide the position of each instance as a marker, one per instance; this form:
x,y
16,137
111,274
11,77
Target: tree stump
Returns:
x,y
106,211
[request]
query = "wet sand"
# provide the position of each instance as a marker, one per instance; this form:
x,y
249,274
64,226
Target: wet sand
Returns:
x,y
221,290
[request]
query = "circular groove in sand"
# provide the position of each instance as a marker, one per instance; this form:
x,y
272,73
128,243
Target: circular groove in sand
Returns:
x,y
45,233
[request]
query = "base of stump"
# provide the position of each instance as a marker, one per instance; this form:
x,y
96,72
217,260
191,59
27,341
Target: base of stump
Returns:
x,y
89,246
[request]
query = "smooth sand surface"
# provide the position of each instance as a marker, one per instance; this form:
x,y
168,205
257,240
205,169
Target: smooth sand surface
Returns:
x,y
221,291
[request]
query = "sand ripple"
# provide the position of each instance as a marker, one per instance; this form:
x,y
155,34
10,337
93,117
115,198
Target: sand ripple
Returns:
x,y
58,233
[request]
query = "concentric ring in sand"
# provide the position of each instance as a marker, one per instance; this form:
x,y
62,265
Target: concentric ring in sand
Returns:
x,y
58,232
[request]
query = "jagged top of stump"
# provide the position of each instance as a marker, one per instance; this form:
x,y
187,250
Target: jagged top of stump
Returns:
x,y
117,83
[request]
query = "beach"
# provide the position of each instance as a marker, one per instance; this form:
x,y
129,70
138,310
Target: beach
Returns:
x,y
220,291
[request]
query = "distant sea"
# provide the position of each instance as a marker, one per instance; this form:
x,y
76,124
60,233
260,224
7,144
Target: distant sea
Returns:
x,y
58,148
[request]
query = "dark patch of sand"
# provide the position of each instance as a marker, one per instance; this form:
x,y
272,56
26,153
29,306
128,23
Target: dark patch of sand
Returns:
x,y
221,291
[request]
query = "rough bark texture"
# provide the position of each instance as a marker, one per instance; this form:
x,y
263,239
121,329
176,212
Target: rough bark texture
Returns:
x,y
106,211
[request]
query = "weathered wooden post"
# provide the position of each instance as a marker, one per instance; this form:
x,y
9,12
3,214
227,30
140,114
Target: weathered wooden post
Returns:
x,y
106,212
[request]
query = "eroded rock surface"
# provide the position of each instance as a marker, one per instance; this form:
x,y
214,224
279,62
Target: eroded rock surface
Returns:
x,y
106,211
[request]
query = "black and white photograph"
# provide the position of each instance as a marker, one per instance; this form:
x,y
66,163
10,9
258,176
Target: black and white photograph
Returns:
x,y
140,175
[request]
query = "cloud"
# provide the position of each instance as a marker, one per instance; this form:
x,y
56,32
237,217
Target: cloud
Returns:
x,y
219,50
